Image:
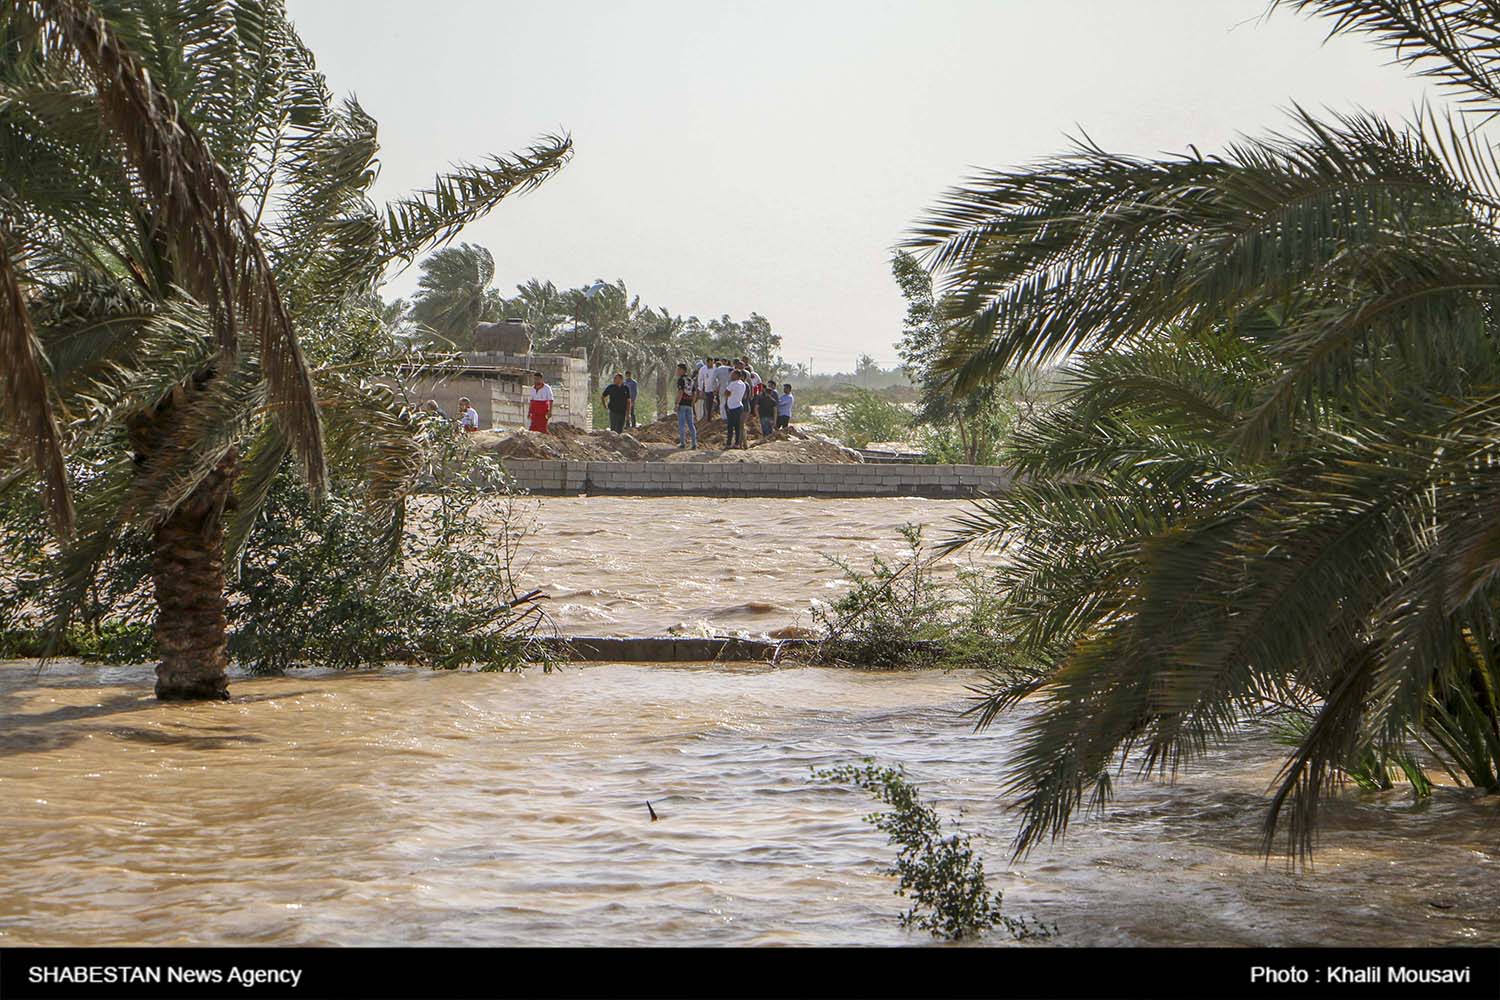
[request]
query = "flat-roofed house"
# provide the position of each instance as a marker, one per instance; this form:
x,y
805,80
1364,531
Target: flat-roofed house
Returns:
x,y
499,386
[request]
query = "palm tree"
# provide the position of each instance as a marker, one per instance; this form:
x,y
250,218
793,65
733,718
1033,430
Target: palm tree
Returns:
x,y
454,294
605,325
544,311
165,264
659,348
1273,481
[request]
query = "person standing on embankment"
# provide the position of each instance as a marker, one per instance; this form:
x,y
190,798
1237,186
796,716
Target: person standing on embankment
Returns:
x,y
630,383
705,388
784,406
766,401
686,386
734,411
617,400
721,386
541,404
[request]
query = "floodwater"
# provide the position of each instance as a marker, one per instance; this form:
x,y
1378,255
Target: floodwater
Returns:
x,y
693,565
403,807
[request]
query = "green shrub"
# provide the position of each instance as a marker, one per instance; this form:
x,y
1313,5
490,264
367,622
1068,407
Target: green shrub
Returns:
x,y
862,416
310,591
941,875
111,621
902,616
324,587
110,642
891,616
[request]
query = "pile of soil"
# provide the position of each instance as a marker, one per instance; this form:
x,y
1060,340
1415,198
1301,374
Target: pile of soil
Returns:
x,y
657,442
561,441
796,451
664,431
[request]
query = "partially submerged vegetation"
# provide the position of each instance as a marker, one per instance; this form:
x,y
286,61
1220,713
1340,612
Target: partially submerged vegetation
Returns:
x,y
1274,477
311,591
901,615
939,873
317,586
189,325
861,416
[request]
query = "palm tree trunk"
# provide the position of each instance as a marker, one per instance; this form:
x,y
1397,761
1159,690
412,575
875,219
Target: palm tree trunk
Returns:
x,y
188,571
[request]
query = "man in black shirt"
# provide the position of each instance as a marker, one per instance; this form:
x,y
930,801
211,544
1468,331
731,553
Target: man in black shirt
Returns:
x,y
687,386
765,408
617,401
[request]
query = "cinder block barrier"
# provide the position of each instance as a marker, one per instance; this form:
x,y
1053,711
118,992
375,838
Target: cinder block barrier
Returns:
x,y
681,649
669,649
726,479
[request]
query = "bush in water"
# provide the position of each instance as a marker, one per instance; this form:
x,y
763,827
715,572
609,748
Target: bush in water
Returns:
x,y
891,616
309,592
942,876
315,587
901,615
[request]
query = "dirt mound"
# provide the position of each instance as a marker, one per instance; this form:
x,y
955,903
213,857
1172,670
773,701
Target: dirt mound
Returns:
x,y
796,451
566,432
657,442
568,443
614,447
789,446
662,431
518,444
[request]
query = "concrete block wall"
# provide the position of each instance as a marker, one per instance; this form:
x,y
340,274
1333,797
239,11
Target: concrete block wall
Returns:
x,y
568,374
725,479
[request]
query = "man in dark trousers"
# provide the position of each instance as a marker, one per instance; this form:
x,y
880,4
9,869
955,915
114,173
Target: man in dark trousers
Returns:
x,y
617,401
764,401
784,406
734,411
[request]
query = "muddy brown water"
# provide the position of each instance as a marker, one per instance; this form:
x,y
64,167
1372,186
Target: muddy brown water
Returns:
x,y
634,566
403,807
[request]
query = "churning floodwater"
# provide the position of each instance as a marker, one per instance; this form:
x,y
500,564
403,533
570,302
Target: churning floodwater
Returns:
x,y
629,566
406,807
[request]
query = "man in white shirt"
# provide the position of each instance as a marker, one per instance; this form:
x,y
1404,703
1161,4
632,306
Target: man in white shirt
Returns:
x,y
704,377
734,411
541,404
470,420
721,383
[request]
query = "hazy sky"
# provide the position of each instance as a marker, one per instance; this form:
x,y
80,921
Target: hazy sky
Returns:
x,y
767,155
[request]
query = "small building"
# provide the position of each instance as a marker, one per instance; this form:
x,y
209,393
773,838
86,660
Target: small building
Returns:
x,y
499,386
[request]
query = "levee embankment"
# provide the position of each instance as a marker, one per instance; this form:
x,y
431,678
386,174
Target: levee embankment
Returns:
x,y
757,479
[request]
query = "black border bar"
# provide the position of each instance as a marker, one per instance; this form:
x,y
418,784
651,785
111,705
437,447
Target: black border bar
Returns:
x,y
744,974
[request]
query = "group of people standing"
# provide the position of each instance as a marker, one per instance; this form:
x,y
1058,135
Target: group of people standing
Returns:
x,y
729,387
721,387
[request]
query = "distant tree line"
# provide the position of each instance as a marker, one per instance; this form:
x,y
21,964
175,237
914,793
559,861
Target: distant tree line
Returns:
x,y
456,292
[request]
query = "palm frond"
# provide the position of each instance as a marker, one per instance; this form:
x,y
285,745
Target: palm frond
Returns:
x,y
1456,42
25,402
221,260
259,467
434,216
